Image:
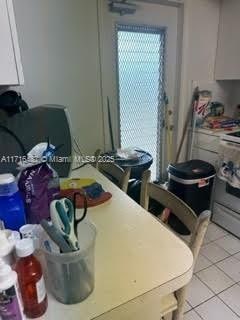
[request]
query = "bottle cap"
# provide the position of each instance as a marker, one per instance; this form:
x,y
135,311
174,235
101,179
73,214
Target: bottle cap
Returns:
x,y
24,248
6,178
5,270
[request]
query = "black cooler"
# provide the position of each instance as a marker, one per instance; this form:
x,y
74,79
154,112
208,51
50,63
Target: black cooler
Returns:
x,y
192,181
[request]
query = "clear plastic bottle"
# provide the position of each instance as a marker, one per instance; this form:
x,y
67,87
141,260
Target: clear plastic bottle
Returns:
x,y
10,304
30,278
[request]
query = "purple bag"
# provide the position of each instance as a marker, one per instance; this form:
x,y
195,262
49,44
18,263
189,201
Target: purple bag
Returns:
x,y
39,185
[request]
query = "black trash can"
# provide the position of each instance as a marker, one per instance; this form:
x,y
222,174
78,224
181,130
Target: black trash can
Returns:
x,y
191,181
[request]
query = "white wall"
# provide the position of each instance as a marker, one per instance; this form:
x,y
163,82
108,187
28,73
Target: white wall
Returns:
x,y
59,49
200,33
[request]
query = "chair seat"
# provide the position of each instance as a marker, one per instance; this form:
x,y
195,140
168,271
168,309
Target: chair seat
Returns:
x,y
168,304
151,307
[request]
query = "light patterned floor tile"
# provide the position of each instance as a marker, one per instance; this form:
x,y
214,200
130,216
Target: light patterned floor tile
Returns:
x,y
213,253
215,309
231,266
202,263
229,243
237,256
215,279
231,297
187,307
217,247
214,232
198,292
191,315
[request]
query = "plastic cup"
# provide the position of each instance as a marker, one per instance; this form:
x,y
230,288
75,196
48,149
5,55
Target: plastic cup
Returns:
x,y
71,275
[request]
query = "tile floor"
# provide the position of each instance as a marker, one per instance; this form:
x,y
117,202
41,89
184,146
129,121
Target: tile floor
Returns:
x,y
214,292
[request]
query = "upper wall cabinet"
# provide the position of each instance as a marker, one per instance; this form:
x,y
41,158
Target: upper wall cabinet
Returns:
x,y
11,72
228,51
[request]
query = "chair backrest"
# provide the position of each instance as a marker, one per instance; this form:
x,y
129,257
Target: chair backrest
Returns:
x,y
115,173
112,171
196,225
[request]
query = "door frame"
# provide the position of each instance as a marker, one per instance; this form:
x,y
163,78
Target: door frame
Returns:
x,y
177,81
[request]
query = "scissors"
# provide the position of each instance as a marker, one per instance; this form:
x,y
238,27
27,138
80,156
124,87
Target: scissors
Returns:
x,y
63,216
81,194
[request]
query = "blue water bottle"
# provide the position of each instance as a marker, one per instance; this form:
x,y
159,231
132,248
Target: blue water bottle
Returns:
x,y
12,211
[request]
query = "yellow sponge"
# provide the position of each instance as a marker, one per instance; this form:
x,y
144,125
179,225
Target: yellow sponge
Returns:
x,y
75,183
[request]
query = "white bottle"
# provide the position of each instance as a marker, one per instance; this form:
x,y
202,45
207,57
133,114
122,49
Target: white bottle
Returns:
x,y
10,304
6,247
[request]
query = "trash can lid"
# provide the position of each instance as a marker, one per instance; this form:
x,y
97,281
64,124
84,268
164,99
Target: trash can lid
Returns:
x,y
193,169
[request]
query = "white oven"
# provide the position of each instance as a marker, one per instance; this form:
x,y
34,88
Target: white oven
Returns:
x,y
226,199
233,137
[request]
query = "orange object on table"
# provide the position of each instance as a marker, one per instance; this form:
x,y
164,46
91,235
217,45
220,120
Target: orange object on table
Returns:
x,y
69,193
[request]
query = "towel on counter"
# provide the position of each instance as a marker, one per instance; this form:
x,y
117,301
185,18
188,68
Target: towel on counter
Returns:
x,y
229,157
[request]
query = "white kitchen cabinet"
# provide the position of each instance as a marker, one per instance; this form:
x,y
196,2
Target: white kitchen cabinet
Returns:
x,y
228,51
206,145
207,140
205,155
11,72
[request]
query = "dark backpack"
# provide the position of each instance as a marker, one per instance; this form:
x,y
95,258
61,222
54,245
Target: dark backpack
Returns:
x,y
11,102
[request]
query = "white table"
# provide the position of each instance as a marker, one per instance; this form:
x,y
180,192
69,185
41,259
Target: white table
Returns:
x,y
136,258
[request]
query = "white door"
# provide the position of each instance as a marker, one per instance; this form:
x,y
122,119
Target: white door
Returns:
x,y
138,61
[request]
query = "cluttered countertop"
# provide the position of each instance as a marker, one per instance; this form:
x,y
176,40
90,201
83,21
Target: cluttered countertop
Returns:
x,y
215,131
212,116
134,256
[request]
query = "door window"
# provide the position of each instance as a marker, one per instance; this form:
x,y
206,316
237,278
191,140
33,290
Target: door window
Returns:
x,y
141,56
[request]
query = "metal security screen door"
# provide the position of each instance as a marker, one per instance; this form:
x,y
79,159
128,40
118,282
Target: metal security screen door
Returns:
x,y
141,56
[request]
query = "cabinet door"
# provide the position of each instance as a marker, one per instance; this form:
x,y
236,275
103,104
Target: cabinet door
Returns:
x,y
8,66
207,142
228,51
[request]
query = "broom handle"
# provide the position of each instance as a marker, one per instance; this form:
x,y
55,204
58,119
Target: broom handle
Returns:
x,y
189,115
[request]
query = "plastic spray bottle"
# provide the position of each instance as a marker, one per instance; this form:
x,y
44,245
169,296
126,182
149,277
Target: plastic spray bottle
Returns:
x,y
10,304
